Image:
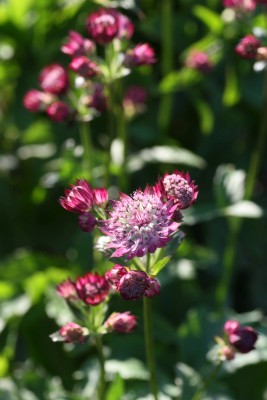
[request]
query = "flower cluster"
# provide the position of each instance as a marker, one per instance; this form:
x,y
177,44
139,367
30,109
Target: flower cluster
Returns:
x,y
237,339
91,72
90,290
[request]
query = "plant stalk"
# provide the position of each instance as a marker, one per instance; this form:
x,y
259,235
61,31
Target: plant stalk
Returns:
x,y
102,380
200,392
85,136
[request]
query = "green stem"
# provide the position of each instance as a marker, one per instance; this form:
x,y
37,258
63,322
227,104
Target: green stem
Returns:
x,y
150,348
149,345
200,392
102,380
235,223
165,107
87,149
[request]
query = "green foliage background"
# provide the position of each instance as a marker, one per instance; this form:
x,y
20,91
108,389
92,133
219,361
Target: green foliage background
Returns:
x,y
210,128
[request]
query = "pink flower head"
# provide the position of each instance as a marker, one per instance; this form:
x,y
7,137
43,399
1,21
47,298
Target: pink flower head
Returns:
x,y
243,339
179,187
142,54
115,274
98,99
92,288
72,333
132,286
153,287
121,322
84,66
199,61
139,224
240,5
67,290
100,197
58,111
79,198
103,25
230,326
125,26
35,100
87,222
77,45
247,47
54,79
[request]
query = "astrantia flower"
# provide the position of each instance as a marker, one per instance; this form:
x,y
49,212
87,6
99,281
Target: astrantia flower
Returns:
x,y
84,66
142,54
35,100
179,187
243,339
70,333
115,274
247,47
125,26
92,288
230,326
58,111
132,286
67,290
103,26
98,99
79,198
87,222
153,287
54,79
199,60
121,322
139,224
77,45
240,5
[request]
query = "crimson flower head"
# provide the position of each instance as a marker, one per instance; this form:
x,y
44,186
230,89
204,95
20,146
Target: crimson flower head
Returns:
x,y
132,285
84,66
121,322
142,54
125,26
103,25
79,198
230,326
139,224
247,47
67,290
92,288
36,101
199,61
54,79
77,45
87,222
115,274
240,5
153,287
58,111
70,333
179,187
243,339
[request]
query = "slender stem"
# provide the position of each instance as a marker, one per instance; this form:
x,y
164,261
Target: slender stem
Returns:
x,y
87,149
102,380
200,392
235,223
165,107
150,348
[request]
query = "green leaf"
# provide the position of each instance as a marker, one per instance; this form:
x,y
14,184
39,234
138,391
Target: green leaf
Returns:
x,y
116,390
157,267
229,185
165,155
179,80
189,380
231,94
210,18
206,116
243,209
128,369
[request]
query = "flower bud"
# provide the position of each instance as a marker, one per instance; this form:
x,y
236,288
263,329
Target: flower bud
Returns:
x,y
230,326
70,333
87,222
58,111
243,339
142,54
84,66
247,47
103,26
92,288
132,286
115,274
121,322
153,287
54,79
67,290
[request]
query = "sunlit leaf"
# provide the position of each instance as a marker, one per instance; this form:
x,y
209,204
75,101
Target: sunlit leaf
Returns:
x,y
116,390
210,18
179,80
231,94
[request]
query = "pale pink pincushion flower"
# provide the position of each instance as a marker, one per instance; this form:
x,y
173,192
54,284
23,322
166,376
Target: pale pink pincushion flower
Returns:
x,y
142,54
76,45
92,288
54,79
121,322
103,25
139,224
79,198
179,187
67,290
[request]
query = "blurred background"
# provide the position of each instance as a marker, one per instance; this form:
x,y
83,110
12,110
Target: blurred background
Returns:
x,y
207,123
